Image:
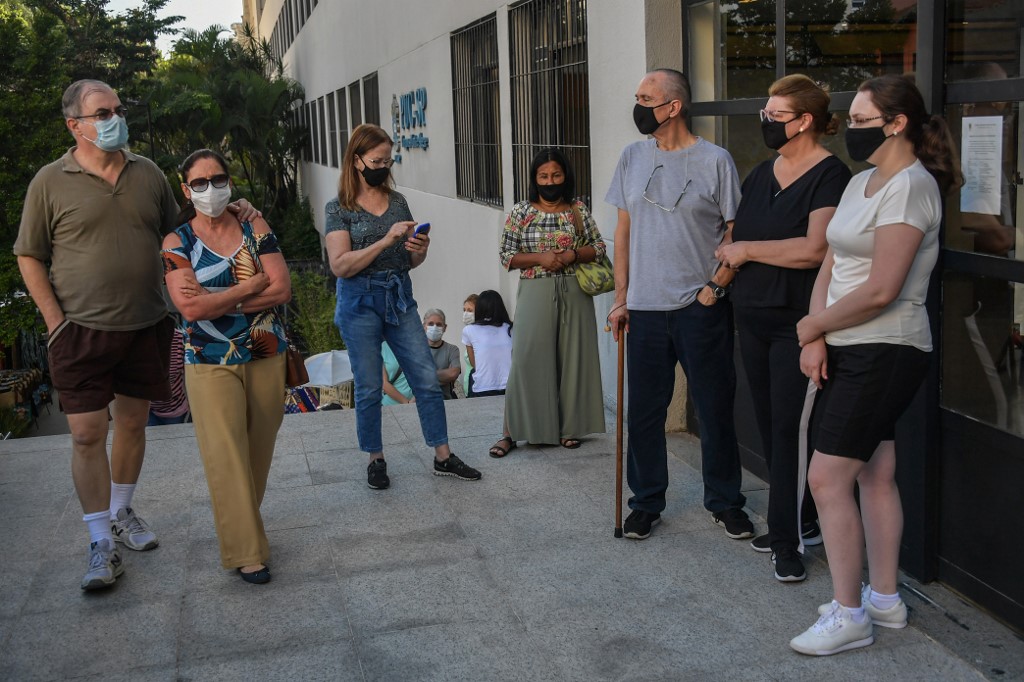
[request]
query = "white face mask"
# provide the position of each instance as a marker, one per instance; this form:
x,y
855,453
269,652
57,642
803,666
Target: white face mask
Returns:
x,y
468,317
434,333
213,201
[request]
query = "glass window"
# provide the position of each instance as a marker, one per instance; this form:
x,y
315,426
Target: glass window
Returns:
x,y
332,130
477,117
339,95
731,48
549,81
322,137
371,100
984,39
982,367
355,105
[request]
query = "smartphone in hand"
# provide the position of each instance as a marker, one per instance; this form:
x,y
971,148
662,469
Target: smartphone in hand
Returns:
x,y
422,228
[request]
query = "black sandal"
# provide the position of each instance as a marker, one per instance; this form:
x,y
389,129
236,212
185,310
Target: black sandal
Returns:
x,y
570,443
497,452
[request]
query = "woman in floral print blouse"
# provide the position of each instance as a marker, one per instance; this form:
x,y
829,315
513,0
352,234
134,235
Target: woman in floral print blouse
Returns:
x,y
554,388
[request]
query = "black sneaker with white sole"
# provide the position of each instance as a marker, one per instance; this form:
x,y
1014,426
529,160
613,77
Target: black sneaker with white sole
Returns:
x,y
737,523
377,475
788,567
762,543
811,533
639,523
453,466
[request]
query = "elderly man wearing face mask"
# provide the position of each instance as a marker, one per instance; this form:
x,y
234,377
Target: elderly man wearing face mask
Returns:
x,y
89,251
446,355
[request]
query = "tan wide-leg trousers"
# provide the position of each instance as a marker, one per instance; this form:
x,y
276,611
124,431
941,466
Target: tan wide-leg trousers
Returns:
x,y
237,410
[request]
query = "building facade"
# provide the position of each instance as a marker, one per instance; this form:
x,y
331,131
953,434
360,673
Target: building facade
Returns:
x,y
470,89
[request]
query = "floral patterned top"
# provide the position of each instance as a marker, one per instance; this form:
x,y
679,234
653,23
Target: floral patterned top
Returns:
x,y
530,230
234,338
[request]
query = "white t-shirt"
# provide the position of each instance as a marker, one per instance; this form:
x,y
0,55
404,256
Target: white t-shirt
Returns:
x,y
912,197
492,350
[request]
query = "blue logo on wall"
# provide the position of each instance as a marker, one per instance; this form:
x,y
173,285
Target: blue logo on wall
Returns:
x,y
408,112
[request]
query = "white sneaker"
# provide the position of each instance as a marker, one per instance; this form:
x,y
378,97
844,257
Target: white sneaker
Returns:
x,y
104,565
835,631
894,617
130,530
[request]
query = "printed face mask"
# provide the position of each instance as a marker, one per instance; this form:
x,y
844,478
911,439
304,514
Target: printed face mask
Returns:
x,y
213,201
550,192
111,134
468,317
375,177
861,143
644,118
774,133
434,333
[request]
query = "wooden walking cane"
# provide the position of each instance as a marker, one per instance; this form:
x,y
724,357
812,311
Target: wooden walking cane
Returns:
x,y
618,434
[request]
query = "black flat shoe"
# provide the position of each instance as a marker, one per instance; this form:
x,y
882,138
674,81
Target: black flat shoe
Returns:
x,y
256,577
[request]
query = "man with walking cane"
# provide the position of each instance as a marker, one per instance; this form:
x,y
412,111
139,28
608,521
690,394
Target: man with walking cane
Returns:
x,y
677,196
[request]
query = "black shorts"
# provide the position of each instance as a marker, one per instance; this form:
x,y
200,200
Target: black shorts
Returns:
x,y
869,387
88,366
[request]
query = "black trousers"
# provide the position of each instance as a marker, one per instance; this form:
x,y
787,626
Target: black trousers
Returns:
x,y
771,358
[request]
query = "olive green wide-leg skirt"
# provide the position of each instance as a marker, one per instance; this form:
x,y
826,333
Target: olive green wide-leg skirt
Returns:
x,y
554,387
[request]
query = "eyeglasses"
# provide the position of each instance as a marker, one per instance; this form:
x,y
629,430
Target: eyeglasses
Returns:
x,y
105,114
772,115
378,163
686,174
857,122
201,184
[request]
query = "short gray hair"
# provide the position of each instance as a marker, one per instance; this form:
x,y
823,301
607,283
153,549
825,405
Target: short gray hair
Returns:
x,y
71,103
435,311
677,86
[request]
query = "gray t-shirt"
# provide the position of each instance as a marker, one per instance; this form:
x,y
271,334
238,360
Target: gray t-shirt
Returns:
x,y
672,254
446,356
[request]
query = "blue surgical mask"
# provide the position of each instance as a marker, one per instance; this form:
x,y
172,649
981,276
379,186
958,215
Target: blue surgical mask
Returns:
x,y
111,135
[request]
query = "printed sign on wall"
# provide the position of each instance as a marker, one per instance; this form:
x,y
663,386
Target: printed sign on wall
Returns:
x,y
409,112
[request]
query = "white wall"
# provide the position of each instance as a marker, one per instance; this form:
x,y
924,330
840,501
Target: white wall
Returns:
x,y
408,45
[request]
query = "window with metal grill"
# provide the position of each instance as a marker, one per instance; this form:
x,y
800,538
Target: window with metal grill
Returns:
x,y
371,100
550,91
477,112
332,123
342,121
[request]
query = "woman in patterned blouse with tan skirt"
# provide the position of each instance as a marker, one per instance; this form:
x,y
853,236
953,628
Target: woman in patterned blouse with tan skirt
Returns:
x,y
554,389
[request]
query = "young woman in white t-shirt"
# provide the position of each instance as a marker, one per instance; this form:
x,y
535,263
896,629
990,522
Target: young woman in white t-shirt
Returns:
x,y
488,343
866,345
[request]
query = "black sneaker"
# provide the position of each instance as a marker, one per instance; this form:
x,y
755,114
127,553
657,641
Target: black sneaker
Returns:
x,y
737,525
639,523
788,567
453,466
377,475
811,533
761,544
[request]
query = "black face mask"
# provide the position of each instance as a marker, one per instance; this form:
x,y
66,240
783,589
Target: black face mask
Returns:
x,y
774,133
550,192
375,177
863,142
644,118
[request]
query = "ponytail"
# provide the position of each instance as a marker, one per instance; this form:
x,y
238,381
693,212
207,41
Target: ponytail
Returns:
x,y
937,153
186,214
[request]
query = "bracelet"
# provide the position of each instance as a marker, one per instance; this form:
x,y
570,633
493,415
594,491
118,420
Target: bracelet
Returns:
x,y
238,307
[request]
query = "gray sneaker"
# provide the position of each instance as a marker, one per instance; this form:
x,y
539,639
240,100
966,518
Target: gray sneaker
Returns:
x,y
104,565
130,530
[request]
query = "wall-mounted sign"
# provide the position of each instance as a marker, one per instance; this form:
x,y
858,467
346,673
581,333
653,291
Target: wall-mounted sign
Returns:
x,y
408,112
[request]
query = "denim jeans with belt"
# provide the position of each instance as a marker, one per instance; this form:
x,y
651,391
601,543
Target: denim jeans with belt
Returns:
x,y
375,308
700,338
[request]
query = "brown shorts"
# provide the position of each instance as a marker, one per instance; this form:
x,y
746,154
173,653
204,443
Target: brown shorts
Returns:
x,y
88,366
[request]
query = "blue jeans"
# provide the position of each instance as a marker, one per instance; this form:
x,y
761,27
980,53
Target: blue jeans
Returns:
x,y
375,308
699,338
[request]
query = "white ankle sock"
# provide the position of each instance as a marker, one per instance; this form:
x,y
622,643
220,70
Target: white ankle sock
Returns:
x,y
857,614
99,526
883,601
120,497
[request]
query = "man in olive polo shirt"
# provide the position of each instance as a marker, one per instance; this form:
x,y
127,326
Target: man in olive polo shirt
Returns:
x,y
89,252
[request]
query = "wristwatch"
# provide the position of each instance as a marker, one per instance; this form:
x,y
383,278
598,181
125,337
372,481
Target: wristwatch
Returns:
x,y
718,291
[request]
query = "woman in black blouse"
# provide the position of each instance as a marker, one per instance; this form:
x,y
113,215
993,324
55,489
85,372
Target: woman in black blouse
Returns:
x,y
778,245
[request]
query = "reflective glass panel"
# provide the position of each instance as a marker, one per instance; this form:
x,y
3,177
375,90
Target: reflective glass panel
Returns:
x,y
984,39
982,370
731,48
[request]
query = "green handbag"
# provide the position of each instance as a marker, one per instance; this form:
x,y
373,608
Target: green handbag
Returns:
x,y
598,276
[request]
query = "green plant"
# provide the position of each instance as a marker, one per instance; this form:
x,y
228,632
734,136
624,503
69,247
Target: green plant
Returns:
x,y
313,318
14,421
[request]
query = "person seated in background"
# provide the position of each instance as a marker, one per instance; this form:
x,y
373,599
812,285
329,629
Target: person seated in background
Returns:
x,y
468,317
397,390
446,355
488,342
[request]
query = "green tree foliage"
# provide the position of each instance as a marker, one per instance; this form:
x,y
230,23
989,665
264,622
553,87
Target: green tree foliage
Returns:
x,y
313,313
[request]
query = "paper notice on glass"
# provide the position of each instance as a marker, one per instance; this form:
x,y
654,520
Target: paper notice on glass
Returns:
x,y
982,161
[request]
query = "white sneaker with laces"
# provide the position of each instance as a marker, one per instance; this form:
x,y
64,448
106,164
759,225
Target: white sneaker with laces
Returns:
x,y
835,631
130,530
894,617
104,565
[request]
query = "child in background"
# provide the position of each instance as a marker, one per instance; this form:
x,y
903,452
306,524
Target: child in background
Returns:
x,y
468,317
